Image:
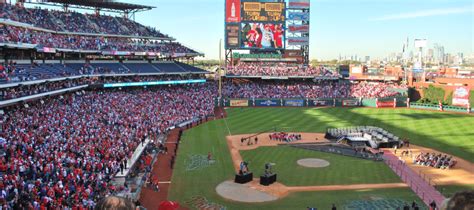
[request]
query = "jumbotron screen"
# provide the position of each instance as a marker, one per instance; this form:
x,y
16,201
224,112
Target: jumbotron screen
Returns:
x,y
255,24
262,36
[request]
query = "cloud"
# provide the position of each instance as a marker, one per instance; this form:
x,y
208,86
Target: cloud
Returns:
x,y
426,13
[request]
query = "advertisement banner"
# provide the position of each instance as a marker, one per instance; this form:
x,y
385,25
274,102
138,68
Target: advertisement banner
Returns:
x,y
239,103
263,11
238,55
321,103
298,28
304,16
294,102
262,36
140,53
232,36
382,104
298,40
267,103
461,96
232,11
116,53
49,50
350,102
298,4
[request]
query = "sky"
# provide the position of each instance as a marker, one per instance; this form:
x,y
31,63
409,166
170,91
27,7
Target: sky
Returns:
x,y
373,28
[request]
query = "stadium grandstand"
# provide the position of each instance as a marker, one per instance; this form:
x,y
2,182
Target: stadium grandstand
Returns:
x,y
91,104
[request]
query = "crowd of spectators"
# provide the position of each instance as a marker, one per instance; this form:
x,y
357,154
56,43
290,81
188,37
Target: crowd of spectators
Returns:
x,y
308,89
434,160
27,90
286,137
12,34
51,154
277,69
76,22
7,93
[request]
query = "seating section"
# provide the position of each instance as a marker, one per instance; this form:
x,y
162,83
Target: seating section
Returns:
x,y
308,89
65,152
141,67
278,69
76,22
169,67
16,35
28,72
189,68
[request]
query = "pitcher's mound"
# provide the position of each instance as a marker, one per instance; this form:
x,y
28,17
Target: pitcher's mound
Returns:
x,y
313,163
242,193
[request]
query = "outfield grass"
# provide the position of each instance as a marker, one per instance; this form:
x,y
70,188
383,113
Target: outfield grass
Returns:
x,y
210,137
342,169
450,133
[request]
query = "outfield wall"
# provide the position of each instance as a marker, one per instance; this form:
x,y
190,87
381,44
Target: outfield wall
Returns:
x,y
335,102
315,102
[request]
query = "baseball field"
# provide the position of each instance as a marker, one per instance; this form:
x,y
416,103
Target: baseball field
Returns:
x,y
195,179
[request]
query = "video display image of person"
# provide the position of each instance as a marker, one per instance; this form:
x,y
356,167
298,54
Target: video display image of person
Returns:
x,y
262,35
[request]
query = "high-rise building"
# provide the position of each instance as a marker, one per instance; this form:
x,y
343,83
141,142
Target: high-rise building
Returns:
x,y
430,56
439,56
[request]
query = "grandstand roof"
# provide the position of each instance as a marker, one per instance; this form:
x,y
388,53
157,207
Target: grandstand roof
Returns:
x,y
104,4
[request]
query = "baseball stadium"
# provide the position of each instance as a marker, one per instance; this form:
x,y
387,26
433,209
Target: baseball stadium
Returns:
x,y
99,111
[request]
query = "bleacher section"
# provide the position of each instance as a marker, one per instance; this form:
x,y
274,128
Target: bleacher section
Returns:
x,y
368,135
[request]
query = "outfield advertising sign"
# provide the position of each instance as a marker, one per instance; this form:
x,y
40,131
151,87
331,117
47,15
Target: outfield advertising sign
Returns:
x,y
321,103
294,102
461,96
350,102
239,103
267,103
381,104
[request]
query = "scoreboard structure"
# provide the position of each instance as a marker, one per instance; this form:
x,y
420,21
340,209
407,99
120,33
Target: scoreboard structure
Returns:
x,y
266,26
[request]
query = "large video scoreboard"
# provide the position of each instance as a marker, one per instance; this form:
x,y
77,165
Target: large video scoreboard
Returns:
x,y
255,24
